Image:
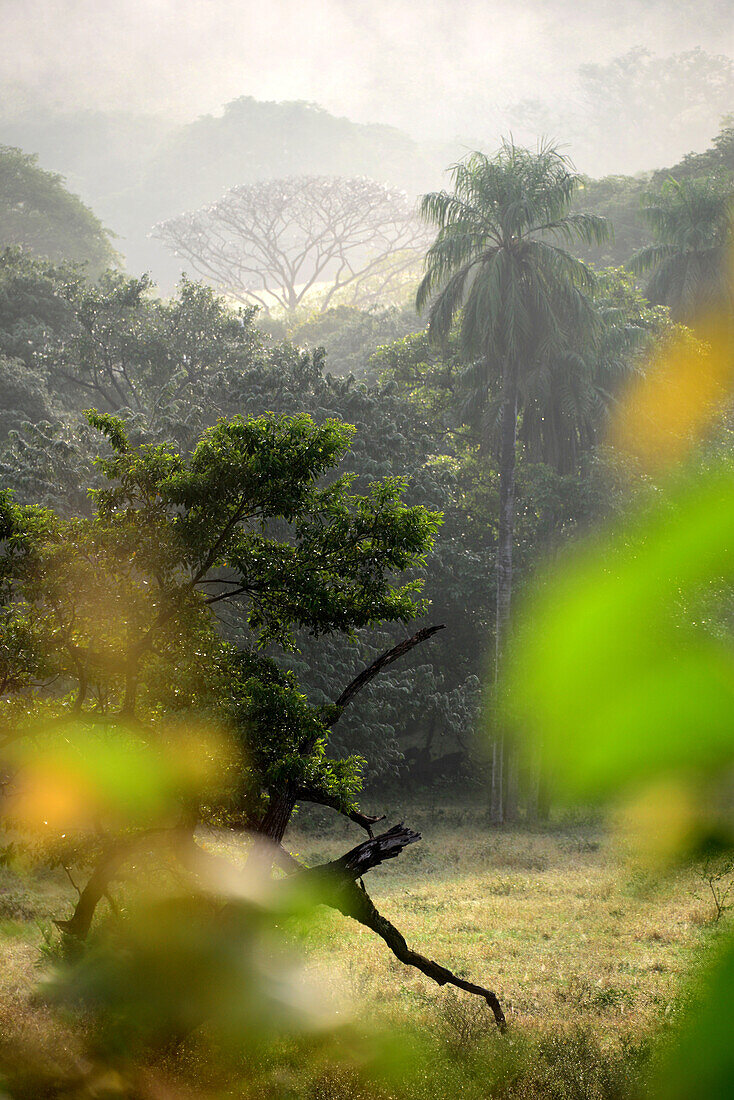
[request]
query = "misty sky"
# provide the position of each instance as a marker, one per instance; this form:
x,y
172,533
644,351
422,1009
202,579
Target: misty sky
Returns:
x,y
436,68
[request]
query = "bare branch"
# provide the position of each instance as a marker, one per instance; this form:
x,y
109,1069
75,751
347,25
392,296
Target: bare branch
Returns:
x,y
356,903
319,798
275,240
387,658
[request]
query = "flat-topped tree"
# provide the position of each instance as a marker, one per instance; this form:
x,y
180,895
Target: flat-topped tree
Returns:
x,y
278,242
119,608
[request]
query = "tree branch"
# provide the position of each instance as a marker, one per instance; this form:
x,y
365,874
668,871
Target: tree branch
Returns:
x,y
353,901
358,861
275,821
321,798
377,666
338,888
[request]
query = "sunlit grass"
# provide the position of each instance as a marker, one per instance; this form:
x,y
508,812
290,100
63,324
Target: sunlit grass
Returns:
x,y
555,921
584,950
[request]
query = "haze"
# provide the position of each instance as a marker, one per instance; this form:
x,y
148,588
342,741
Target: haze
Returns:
x,y
437,70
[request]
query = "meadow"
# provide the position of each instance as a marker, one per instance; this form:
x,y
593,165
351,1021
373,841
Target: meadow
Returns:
x,y
559,921
588,952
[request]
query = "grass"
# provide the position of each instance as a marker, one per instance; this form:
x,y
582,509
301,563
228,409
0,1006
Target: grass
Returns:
x,y
552,920
575,941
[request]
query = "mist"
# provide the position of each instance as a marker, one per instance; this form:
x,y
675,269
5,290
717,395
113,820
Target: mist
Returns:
x,y
438,70
136,105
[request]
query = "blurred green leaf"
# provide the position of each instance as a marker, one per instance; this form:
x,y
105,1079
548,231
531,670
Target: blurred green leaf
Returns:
x,y
699,1061
612,667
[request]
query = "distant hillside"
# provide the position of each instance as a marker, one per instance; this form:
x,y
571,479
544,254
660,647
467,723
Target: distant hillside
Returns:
x,y
136,172
39,214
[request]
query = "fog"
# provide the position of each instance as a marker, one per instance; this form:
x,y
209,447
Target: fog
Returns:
x,y
152,107
437,70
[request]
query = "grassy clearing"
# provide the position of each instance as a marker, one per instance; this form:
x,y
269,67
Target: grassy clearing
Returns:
x,y
576,943
552,919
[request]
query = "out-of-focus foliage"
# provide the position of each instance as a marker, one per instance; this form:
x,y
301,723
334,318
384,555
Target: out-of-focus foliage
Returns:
x,y
126,715
623,664
37,213
195,945
644,670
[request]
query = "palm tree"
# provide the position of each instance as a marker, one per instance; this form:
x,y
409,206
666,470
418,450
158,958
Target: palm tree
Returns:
x,y
498,265
691,223
567,397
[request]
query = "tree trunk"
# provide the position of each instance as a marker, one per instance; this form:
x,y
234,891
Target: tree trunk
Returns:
x,y
544,790
505,540
275,822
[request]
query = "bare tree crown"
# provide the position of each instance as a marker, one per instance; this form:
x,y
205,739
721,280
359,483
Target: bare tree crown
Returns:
x,y
273,242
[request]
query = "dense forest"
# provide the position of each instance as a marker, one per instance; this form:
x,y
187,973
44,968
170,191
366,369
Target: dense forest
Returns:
x,y
358,491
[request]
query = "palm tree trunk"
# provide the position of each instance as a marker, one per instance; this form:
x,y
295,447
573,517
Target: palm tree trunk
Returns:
x,y
505,540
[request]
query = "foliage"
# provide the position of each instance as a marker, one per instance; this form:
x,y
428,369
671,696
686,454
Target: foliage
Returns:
x,y
183,363
691,224
619,200
716,161
37,213
349,335
522,303
490,245
281,242
622,666
673,100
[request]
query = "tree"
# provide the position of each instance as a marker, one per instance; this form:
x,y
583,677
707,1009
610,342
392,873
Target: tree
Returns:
x,y
111,618
38,213
567,396
520,296
192,359
619,200
117,344
349,335
276,242
637,111
718,160
691,223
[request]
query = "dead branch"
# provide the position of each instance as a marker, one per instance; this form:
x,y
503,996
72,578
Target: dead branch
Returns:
x,y
367,855
365,821
355,902
385,659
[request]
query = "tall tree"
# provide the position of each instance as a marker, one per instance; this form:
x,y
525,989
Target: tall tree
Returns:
x,y
567,396
691,222
497,263
276,242
109,619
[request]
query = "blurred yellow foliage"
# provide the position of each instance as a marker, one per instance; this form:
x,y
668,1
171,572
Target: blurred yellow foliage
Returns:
x,y
72,777
680,393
